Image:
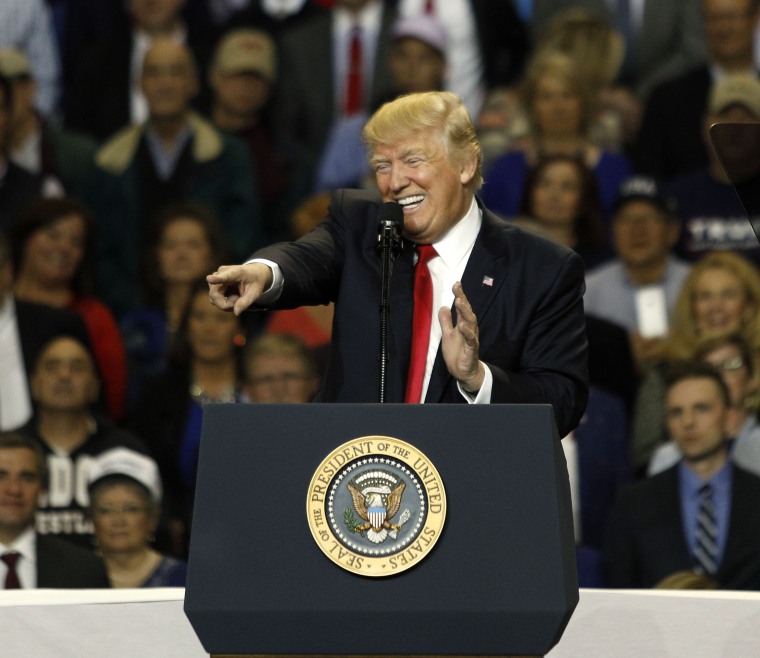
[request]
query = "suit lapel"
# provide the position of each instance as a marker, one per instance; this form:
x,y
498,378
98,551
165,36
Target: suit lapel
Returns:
x,y
484,275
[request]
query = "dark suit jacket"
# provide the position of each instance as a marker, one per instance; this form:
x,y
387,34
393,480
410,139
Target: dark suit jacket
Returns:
x,y
305,102
60,564
526,292
645,540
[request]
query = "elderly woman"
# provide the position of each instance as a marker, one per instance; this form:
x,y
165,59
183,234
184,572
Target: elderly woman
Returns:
x,y
559,103
52,248
125,498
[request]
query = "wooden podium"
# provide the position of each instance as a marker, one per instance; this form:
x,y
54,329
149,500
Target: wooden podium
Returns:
x,y
500,580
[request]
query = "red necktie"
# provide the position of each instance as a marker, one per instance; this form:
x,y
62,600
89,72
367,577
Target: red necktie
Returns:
x,y
354,81
11,577
430,6
423,310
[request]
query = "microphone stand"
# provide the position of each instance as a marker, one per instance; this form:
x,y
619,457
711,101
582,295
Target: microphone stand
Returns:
x,y
388,248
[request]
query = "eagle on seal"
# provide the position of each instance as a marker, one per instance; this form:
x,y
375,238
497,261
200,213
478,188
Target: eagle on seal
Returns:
x,y
377,505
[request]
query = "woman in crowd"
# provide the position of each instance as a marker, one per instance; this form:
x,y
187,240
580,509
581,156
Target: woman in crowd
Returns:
x,y
125,499
561,201
559,103
720,295
204,365
188,245
52,252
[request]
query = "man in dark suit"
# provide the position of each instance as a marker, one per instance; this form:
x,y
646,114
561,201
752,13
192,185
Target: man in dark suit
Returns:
x,y
658,527
671,140
518,334
28,560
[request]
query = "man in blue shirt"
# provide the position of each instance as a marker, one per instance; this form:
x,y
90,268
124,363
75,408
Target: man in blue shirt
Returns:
x,y
700,515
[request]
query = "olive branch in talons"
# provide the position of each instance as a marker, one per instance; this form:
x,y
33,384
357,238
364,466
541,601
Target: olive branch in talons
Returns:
x,y
351,522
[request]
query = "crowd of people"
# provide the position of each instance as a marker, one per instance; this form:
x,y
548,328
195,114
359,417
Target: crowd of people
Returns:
x,y
145,143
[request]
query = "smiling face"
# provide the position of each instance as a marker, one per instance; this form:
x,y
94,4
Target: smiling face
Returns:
x,y
168,79
53,253
434,189
719,302
122,516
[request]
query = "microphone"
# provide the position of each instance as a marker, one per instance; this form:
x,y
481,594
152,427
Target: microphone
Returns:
x,y
389,227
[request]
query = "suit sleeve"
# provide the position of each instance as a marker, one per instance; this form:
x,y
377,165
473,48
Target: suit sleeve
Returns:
x,y
552,365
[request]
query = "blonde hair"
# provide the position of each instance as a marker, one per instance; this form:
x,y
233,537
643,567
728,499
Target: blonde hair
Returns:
x,y
596,47
684,336
427,111
556,64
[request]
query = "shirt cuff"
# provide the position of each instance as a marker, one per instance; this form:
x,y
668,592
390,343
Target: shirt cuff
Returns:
x,y
483,396
271,294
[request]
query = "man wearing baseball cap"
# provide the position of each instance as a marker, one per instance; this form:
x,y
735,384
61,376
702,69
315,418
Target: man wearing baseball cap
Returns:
x,y
711,215
242,77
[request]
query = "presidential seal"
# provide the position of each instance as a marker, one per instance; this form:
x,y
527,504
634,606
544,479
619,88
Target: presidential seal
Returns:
x,y
376,506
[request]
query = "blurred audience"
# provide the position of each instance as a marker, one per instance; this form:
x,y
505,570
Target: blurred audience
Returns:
x,y
18,186
188,245
671,141
30,560
560,107
204,367
36,143
711,214
243,76
662,39
279,368
732,357
176,155
274,18
561,201
699,515
417,63
107,91
333,65
65,388
26,25
721,294
25,328
53,254
638,289
487,45
125,507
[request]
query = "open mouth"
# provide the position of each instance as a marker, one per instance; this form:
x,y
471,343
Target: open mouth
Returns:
x,y
411,202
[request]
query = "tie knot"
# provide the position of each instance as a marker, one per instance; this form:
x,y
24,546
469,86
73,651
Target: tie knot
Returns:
x,y
10,559
705,491
425,252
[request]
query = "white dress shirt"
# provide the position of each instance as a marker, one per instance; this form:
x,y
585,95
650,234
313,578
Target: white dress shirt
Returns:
x,y
15,403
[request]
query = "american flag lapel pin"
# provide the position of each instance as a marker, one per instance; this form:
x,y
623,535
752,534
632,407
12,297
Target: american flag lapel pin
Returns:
x,y
487,280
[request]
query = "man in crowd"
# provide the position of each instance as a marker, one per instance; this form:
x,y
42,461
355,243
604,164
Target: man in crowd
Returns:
x,y
517,335
28,559
279,369
176,155
638,289
700,514
65,388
